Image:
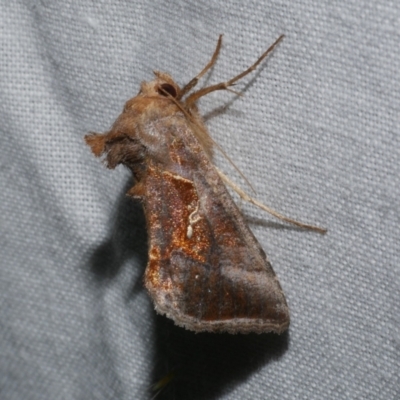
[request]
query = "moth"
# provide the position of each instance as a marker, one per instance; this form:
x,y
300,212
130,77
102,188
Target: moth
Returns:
x,y
206,270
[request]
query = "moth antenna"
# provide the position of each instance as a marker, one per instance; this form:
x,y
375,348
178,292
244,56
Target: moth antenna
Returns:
x,y
224,85
162,383
269,210
189,86
234,165
235,92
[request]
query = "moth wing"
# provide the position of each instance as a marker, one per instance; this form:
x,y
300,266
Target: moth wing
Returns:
x,y
206,270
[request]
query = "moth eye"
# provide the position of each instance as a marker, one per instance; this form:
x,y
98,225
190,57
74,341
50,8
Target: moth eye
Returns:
x,y
167,88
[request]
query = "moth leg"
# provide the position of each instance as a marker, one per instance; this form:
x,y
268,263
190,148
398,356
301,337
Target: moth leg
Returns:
x,y
189,86
225,85
137,191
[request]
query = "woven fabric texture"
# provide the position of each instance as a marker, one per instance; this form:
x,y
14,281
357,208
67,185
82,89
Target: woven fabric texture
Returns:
x,y
317,134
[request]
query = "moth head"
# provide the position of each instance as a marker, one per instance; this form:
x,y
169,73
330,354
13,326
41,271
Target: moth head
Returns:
x,y
163,86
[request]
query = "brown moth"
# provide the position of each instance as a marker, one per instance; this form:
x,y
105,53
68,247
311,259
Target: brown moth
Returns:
x,y
206,270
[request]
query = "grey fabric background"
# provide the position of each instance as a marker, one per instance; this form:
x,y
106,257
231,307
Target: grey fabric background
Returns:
x,y
317,133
